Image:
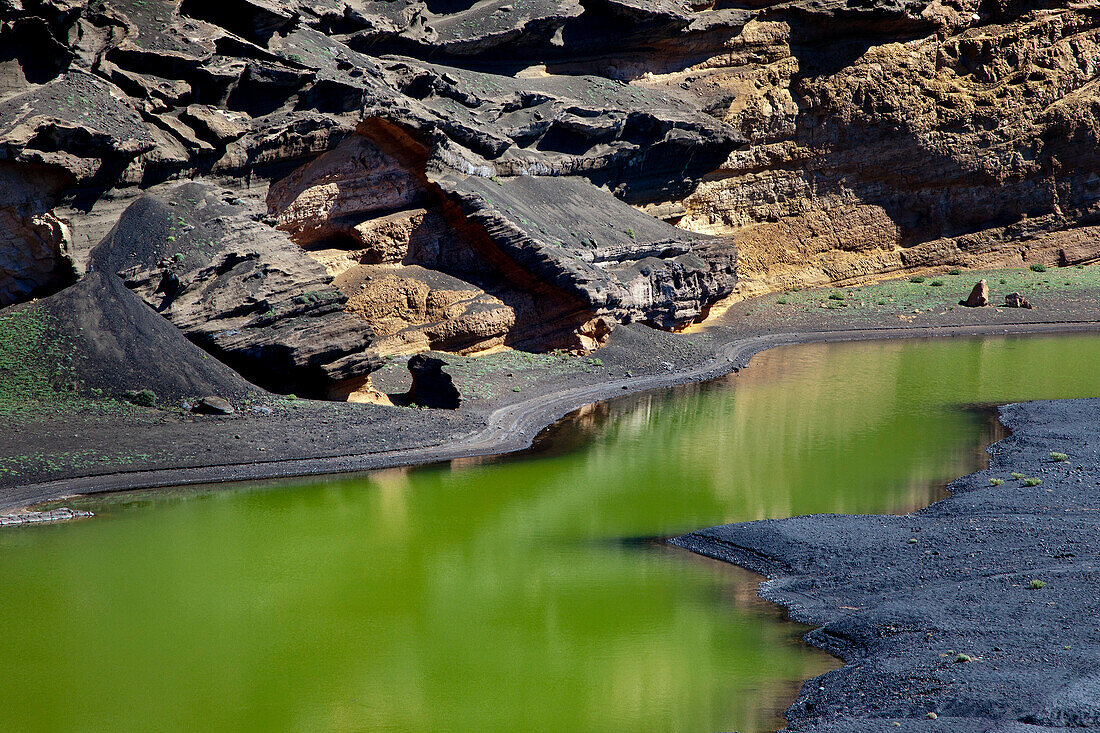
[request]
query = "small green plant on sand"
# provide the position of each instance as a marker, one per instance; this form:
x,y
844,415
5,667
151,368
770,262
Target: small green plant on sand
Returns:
x,y
996,481
956,271
1038,268
1036,584
936,283
1058,457
781,301
1032,481
1017,476
918,279
836,296
142,398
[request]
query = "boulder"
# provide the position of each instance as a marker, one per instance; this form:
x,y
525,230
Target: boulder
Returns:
x,y
1015,300
214,406
979,296
431,386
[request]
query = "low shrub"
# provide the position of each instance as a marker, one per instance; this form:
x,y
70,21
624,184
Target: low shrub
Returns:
x,y
1032,481
1038,268
918,279
1058,457
1036,584
145,398
996,481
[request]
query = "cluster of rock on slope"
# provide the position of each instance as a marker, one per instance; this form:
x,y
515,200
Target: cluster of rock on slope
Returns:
x,y
378,176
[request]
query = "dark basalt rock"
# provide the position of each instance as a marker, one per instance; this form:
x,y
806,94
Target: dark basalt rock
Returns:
x,y
615,259
431,386
645,143
833,140
239,289
125,347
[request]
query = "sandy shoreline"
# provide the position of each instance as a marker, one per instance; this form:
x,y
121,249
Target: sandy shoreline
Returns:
x,y
505,428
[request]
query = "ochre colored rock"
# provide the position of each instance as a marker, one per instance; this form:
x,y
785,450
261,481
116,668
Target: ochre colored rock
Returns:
x,y
979,296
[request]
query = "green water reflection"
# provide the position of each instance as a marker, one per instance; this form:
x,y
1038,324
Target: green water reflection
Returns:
x,y
502,595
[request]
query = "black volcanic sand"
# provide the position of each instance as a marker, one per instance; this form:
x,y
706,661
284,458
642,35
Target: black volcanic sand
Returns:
x,y
900,598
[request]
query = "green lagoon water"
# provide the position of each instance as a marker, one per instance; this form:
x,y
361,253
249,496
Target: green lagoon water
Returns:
x,y
513,594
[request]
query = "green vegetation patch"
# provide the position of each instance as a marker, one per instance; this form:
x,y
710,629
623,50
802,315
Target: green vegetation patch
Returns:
x,y
78,460
36,368
512,371
903,296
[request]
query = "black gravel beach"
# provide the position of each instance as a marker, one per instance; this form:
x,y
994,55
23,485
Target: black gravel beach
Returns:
x,y
978,613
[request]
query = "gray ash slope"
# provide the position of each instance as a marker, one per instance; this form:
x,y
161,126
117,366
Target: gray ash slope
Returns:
x,y
114,344
898,598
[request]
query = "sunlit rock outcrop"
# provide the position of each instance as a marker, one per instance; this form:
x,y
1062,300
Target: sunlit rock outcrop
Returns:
x,y
469,175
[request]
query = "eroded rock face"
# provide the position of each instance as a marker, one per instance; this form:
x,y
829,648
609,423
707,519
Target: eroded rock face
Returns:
x,y
411,308
902,149
34,242
491,244
240,289
608,255
507,149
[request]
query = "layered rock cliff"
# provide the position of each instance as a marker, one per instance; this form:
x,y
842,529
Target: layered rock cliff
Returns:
x,y
397,176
